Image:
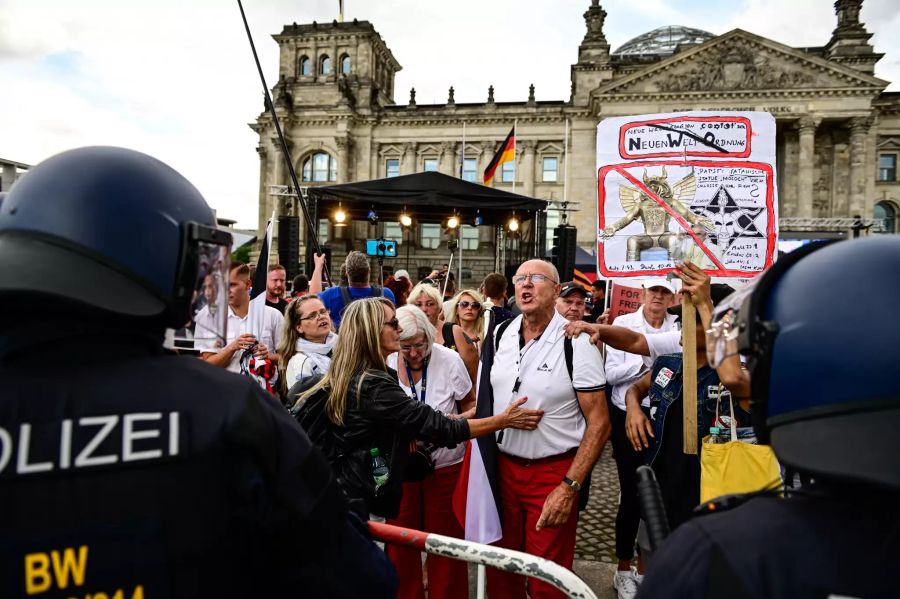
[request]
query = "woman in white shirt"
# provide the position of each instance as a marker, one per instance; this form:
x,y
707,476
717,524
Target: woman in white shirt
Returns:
x,y
427,298
436,375
307,340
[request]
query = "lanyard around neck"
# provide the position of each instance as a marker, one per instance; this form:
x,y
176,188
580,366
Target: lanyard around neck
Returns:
x,y
424,381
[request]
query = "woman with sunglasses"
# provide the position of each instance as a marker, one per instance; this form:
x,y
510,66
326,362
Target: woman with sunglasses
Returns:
x,y
428,299
435,375
467,310
307,341
369,410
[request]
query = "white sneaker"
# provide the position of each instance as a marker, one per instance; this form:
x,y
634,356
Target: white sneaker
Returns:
x,y
625,584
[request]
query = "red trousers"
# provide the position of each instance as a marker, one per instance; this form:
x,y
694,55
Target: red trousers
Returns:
x,y
428,506
523,489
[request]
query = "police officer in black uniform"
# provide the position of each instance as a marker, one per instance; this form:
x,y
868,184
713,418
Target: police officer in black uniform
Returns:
x,y
127,471
820,330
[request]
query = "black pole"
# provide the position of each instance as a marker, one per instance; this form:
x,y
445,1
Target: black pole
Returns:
x,y
311,228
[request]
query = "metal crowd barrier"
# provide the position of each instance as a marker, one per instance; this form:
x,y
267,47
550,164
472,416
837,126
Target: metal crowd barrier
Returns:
x,y
516,562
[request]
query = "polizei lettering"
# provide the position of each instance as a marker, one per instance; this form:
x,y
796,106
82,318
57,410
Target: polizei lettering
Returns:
x,y
88,442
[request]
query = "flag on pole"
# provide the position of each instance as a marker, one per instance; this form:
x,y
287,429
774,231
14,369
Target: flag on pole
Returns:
x,y
341,11
477,492
506,153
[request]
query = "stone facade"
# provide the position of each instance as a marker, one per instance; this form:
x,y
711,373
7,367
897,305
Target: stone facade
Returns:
x,y
834,123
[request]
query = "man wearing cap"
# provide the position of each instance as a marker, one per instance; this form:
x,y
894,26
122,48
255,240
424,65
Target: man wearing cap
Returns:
x,y
572,301
679,473
622,370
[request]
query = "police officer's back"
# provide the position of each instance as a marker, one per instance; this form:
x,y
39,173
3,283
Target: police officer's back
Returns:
x,y
825,392
125,469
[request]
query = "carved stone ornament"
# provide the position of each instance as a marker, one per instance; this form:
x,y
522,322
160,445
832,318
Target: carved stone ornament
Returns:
x,y
412,96
490,94
594,19
531,94
450,97
739,68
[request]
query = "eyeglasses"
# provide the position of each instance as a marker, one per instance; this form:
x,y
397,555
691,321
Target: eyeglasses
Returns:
x,y
534,278
393,323
317,314
467,304
419,347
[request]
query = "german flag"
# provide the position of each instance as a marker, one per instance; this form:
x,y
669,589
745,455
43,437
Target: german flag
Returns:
x,y
506,153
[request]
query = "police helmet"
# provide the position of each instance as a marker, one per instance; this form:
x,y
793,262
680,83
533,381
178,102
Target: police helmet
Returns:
x,y
824,385
114,230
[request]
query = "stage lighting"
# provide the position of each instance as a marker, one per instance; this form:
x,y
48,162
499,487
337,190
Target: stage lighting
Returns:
x,y
453,222
513,224
405,220
340,217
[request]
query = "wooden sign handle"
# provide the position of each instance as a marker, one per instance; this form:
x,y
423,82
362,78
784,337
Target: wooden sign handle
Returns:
x,y
689,373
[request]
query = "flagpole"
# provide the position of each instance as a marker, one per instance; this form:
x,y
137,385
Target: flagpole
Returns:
x,y
459,245
566,164
515,165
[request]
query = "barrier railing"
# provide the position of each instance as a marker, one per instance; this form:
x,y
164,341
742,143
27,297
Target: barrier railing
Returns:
x,y
508,560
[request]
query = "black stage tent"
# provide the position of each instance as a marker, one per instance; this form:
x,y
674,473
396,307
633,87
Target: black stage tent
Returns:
x,y
427,197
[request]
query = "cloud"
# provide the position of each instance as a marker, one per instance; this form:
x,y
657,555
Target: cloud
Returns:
x,y
177,79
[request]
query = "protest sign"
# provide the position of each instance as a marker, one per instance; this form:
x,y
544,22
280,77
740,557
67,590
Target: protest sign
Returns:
x,y
707,178
623,300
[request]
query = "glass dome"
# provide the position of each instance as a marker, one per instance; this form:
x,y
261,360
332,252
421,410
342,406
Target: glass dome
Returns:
x,y
663,41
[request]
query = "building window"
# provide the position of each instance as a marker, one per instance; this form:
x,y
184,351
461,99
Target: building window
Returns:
x,y
320,167
391,167
305,66
469,238
551,168
553,219
467,274
324,230
430,236
887,214
394,231
430,165
508,172
325,65
470,172
345,64
887,167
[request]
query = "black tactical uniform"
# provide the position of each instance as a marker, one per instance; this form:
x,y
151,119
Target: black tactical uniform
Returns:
x,y
127,471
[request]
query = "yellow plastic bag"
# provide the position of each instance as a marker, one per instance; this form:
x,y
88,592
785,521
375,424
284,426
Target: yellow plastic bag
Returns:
x,y
736,467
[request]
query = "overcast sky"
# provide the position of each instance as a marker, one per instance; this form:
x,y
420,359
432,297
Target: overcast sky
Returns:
x,y
176,79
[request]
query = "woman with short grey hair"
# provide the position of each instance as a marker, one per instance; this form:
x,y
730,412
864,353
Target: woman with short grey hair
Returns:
x,y
436,375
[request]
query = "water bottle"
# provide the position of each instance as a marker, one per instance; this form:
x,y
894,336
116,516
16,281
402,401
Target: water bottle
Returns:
x,y
380,469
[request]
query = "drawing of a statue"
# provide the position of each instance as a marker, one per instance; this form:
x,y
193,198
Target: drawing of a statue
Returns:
x,y
640,207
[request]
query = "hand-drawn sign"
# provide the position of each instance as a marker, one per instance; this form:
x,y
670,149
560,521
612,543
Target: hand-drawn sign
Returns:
x,y
727,208
711,136
715,206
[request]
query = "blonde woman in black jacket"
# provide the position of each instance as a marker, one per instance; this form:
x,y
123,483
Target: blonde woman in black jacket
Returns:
x,y
370,410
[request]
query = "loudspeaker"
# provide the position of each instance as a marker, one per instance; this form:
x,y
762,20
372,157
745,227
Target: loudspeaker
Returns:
x,y
563,252
289,245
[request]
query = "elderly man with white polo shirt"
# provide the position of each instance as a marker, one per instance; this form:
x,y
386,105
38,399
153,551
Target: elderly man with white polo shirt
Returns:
x,y
540,472
622,370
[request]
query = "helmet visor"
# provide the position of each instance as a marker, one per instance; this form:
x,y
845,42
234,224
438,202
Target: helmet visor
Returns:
x,y
207,331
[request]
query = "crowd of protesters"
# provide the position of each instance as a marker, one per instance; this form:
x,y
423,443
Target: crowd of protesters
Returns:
x,y
405,383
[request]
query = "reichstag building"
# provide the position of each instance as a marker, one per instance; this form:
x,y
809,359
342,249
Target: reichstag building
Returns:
x,y
838,131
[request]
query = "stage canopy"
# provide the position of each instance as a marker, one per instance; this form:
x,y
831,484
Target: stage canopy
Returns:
x,y
426,197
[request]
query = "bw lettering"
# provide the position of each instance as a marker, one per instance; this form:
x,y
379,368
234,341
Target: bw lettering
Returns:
x,y
43,570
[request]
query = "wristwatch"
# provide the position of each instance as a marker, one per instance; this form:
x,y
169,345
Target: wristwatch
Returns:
x,y
572,483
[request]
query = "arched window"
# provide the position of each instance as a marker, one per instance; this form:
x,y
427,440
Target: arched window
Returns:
x,y
345,64
325,65
305,66
886,212
319,167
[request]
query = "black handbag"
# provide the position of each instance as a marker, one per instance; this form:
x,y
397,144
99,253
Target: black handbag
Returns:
x,y
420,462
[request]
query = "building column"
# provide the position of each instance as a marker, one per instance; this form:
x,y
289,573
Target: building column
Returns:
x,y
343,158
263,191
528,147
408,162
859,131
448,154
807,128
